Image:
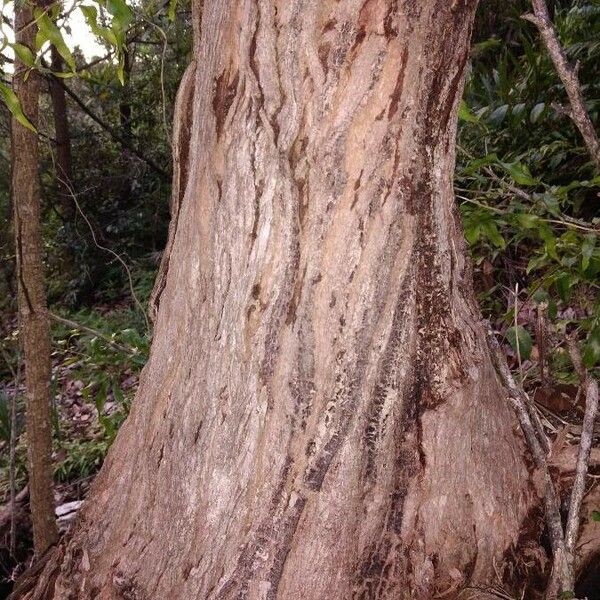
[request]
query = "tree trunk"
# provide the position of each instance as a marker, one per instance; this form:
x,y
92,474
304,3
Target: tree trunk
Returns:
x,y
319,417
125,118
64,175
34,327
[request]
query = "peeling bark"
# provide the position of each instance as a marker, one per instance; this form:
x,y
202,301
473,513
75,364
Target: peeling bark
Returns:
x,y
320,417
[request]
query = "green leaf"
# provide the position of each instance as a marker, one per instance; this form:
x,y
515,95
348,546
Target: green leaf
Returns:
x,y
587,249
499,114
520,340
591,350
464,112
596,516
13,104
100,399
549,240
520,173
563,286
117,393
171,15
475,165
91,17
49,31
536,112
121,70
121,13
24,53
472,232
518,109
528,221
481,47
537,262
491,231
551,202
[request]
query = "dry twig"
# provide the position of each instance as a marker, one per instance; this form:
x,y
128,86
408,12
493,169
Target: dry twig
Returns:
x,y
94,332
562,576
590,386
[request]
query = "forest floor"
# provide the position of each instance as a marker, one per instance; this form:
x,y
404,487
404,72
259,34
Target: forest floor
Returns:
x,y
94,378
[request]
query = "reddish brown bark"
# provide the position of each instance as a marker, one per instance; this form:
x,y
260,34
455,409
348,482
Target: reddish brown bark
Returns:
x,y
34,327
319,417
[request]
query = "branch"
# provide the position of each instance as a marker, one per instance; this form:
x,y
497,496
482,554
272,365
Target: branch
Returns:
x,y
111,131
585,445
568,74
518,393
91,331
562,575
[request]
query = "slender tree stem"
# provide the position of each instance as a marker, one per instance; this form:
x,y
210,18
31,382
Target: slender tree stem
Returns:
x,y
590,386
33,321
119,138
568,75
562,577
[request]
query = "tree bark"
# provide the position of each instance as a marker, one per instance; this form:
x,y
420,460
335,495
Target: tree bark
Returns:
x,y
34,327
319,417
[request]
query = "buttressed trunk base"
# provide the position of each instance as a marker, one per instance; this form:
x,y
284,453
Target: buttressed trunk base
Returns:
x,y
319,417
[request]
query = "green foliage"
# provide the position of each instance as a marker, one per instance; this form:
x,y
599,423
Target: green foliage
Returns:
x,y
13,104
81,458
95,377
102,362
49,32
520,340
527,188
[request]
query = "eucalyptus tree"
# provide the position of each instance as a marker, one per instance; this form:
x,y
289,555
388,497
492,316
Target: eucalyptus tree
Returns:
x,y
320,416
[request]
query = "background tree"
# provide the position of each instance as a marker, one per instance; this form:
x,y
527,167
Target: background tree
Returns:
x,y
33,320
63,167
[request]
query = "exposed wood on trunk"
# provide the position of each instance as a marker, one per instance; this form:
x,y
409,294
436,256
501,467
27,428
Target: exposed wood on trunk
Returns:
x,y
320,417
181,147
33,322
